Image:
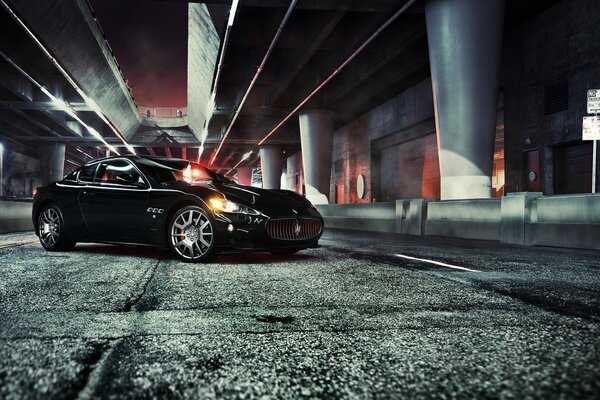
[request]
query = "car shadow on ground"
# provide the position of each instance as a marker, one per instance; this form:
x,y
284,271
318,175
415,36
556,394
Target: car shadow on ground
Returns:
x,y
122,250
164,254
262,258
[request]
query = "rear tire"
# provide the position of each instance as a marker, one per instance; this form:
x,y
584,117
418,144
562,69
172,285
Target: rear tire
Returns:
x,y
51,230
190,235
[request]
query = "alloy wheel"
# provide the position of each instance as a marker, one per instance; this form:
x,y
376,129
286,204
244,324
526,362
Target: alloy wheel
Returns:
x,y
49,227
191,234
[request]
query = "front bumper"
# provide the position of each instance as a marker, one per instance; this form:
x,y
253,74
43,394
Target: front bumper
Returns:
x,y
250,233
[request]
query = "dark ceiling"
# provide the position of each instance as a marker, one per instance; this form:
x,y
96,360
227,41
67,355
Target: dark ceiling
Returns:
x,y
318,37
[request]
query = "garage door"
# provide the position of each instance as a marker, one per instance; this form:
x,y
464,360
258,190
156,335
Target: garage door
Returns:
x,y
573,168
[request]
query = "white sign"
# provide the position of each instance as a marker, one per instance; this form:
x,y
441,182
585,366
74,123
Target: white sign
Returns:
x,y
593,101
591,128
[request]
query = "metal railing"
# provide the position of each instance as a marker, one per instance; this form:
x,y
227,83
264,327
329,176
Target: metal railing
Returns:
x,y
162,112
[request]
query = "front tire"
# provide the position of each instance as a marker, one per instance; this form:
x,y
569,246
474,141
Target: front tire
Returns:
x,y
191,235
51,230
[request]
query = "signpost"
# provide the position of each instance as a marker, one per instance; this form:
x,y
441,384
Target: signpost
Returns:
x,y
593,101
591,127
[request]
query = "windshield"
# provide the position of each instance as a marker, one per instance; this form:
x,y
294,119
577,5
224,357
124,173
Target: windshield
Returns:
x,y
167,171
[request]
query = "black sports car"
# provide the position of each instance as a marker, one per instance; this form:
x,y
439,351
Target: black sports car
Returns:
x,y
172,203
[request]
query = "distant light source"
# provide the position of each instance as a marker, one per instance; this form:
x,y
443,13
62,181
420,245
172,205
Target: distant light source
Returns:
x,y
232,11
247,155
200,151
83,152
244,158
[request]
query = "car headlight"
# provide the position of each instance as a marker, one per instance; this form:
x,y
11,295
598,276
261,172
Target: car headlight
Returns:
x,y
224,205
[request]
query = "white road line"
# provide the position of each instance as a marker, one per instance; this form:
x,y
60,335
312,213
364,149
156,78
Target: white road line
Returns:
x,y
436,263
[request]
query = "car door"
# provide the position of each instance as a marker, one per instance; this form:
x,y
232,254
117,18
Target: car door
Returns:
x,y
114,203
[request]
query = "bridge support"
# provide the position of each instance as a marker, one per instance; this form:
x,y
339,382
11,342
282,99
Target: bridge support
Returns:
x,y
271,164
316,138
465,41
52,162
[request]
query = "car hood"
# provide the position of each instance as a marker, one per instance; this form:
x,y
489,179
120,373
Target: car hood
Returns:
x,y
273,203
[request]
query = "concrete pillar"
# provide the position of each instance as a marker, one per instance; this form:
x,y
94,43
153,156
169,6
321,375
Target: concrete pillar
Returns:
x,y
244,176
271,165
316,138
284,181
465,41
52,160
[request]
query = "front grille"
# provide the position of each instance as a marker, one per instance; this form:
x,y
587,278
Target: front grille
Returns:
x,y
294,228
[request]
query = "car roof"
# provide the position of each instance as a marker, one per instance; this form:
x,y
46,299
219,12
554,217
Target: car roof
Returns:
x,y
133,157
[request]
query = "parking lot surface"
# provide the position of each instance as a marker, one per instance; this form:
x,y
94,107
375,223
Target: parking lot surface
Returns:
x,y
366,315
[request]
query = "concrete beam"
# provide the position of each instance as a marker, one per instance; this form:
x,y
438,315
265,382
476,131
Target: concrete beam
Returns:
x,y
307,55
75,39
203,51
367,71
42,105
368,6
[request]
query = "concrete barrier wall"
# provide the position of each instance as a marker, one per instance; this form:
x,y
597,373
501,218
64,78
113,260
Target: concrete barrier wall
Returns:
x,y
518,218
471,219
15,216
379,217
566,221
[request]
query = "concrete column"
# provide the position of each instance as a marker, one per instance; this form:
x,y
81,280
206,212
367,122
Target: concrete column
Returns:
x,y
244,176
284,181
316,138
465,41
271,164
52,160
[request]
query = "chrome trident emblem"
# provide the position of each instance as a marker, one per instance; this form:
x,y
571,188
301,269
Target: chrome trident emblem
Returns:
x,y
297,228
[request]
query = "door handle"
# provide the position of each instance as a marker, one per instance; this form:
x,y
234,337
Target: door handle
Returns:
x,y
90,193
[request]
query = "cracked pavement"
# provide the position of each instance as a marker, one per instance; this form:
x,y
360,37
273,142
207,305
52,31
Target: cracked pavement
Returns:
x,y
347,320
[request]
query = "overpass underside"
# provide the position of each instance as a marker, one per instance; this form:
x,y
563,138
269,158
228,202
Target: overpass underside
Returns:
x,y
439,140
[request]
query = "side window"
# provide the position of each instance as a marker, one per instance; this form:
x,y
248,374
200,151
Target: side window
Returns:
x,y
72,177
119,172
87,173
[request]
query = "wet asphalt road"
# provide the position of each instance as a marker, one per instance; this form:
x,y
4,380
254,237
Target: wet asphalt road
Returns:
x,y
348,320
